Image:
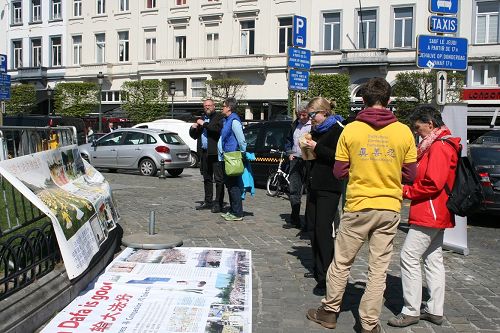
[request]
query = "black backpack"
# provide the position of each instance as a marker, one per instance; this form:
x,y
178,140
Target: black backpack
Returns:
x,y
466,196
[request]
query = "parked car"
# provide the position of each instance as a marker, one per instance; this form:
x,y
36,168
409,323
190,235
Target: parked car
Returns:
x,y
261,139
486,160
137,148
491,137
177,126
94,136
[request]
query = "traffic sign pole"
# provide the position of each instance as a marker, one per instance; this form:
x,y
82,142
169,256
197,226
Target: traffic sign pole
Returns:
x,y
442,87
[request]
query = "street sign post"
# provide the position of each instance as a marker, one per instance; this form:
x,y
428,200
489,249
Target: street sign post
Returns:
x,y
3,63
298,80
299,58
4,87
449,7
442,87
438,52
443,24
299,31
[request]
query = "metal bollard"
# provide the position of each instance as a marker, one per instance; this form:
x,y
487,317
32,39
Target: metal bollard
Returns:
x,y
162,169
152,222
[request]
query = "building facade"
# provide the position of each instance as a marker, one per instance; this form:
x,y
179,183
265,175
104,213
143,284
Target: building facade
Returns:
x,y
190,41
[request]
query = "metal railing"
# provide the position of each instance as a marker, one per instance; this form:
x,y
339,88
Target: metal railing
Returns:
x,y
28,246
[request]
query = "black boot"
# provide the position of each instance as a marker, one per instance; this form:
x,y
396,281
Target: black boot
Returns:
x,y
294,218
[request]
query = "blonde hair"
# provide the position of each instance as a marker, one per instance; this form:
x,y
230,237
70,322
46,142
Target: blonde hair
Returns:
x,y
323,104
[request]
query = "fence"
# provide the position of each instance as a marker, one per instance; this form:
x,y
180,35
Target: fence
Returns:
x,y
28,247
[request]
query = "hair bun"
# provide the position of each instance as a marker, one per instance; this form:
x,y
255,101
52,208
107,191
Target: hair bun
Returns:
x,y
333,103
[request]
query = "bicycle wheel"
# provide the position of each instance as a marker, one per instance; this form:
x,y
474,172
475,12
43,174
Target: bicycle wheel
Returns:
x,y
273,185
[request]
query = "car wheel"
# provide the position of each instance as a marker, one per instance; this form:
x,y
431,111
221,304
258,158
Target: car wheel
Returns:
x,y
175,172
147,167
194,160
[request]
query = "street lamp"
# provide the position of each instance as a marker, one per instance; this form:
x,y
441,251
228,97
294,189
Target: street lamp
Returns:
x,y
49,97
171,91
100,78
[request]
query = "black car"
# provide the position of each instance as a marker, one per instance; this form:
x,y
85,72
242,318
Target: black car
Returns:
x,y
486,160
491,137
261,139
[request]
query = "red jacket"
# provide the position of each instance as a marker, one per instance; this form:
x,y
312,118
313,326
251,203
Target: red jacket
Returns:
x,y
427,194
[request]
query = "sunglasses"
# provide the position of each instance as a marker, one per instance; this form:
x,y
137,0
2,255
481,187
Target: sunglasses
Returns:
x,y
313,114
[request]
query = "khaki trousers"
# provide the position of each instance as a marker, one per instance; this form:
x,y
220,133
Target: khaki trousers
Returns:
x,y
379,228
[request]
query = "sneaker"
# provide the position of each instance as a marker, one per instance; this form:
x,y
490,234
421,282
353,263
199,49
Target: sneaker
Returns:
x,y
325,318
225,214
403,320
376,329
204,205
231,217
436,320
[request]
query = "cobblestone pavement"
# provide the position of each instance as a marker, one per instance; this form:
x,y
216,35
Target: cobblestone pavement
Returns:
x,y
281,294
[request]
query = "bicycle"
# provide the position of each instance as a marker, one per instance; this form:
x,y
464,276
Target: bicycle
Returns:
x,y
277,182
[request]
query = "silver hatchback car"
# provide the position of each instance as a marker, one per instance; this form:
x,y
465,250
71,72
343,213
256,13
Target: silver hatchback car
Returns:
x,y
137,148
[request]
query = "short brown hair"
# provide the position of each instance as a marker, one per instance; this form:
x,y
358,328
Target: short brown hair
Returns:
x,y
376,90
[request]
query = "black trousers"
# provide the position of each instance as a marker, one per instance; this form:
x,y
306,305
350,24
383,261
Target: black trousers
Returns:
x,y
211,170
296,178
320,214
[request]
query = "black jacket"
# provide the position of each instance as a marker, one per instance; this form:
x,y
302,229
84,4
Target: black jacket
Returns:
x,y
213,127
321,169
289,137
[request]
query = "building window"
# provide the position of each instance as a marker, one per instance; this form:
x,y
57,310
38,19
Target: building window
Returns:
x,y
247,37
77,50
180,2
150,4
212,44
198,88
487,22
36,11
17,54
77,8
100,43
331,31
486,74
123,46
55,12
150,36
36,52
285,33
403,27
101,7
17,12
55,51
367,29
180,47
124,5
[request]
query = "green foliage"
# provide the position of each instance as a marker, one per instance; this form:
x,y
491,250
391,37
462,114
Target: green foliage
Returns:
x,y
22,99
413,88
220,89
330,86
76,99
145,100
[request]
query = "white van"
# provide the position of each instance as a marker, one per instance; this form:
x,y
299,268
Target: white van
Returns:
x,y
181,128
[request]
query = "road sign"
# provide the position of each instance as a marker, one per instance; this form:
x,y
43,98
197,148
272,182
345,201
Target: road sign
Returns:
x,y
4,87
438,52
442,87
443,6
299,31
298,80
443,24
299,58
3,63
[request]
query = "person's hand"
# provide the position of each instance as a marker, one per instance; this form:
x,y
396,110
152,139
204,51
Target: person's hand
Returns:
x,y
311,144
194,125
291,157
200,122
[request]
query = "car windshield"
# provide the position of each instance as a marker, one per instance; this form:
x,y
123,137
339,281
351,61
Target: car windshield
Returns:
x,y
171,139
485,155
492,137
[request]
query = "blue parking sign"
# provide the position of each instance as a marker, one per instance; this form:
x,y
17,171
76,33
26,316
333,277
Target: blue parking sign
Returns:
x,y
443,7
3,63
299,31
298,80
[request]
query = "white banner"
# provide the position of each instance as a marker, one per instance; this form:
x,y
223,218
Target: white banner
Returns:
x,y
72,194
171,290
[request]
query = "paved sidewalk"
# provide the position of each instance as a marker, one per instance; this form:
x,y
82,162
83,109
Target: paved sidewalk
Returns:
x,y
281,294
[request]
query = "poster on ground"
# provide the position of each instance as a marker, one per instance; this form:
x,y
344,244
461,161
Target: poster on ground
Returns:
x,y
165,291
73,194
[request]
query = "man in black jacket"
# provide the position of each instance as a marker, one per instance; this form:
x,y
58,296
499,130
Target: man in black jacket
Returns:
x,y
207,131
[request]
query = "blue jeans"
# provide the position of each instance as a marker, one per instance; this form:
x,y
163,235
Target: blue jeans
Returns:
x,y
234,191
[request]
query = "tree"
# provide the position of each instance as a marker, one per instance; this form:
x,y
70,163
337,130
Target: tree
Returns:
x,y
145,100
330,86
22,99
76,99
413,88
220,89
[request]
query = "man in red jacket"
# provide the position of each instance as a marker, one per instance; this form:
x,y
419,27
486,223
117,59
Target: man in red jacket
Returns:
x,y
428,218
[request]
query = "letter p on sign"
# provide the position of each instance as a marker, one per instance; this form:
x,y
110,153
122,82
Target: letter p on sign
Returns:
x,y
299,31
3,63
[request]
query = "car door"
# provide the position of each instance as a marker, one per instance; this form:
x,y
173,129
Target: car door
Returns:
x,y
131,150
105,151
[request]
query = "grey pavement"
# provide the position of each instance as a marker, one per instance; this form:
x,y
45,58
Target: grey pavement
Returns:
x,y
281,294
